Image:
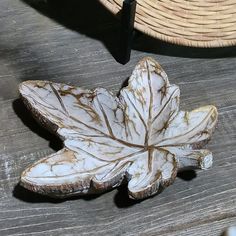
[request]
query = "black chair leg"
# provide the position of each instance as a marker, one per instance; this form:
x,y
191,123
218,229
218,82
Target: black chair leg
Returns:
x,y
127,30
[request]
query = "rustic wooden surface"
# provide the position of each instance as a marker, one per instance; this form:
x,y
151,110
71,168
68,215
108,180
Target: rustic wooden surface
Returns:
x,y
74,42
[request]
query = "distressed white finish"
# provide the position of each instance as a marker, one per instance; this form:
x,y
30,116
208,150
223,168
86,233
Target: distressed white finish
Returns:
x,y
231,231
140,137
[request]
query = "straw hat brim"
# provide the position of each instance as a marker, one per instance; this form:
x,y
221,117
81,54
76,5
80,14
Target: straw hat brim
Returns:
x,y
196,23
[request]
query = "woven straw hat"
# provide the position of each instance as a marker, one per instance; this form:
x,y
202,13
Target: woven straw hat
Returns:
x,y
197,23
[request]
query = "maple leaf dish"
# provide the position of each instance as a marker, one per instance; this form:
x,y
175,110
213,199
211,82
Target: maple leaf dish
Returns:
x,y
140,138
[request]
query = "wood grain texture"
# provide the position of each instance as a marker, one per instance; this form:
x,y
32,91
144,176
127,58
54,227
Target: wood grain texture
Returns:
x,y
60,41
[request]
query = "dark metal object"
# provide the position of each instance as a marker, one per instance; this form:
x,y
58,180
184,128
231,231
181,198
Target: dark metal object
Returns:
x,y
127,29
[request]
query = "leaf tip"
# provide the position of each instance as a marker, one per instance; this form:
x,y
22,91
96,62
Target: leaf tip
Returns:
x,y
206,161
24,86
148,63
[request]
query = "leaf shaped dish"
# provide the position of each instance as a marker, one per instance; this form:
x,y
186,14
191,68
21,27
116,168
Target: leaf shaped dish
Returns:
x,y
140,137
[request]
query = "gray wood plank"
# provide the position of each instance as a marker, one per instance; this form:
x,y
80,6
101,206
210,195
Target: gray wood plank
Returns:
x,y
74,42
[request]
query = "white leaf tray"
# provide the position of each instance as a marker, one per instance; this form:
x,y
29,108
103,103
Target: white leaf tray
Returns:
x,y
140,138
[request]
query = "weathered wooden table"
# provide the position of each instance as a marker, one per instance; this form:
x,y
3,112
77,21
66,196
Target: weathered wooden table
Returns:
x,y
74,42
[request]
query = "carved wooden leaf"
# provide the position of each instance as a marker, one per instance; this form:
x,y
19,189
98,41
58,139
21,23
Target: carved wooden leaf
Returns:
x,y
141,137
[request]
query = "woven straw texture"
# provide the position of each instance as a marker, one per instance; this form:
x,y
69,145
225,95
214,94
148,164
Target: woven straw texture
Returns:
x,y
197,23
